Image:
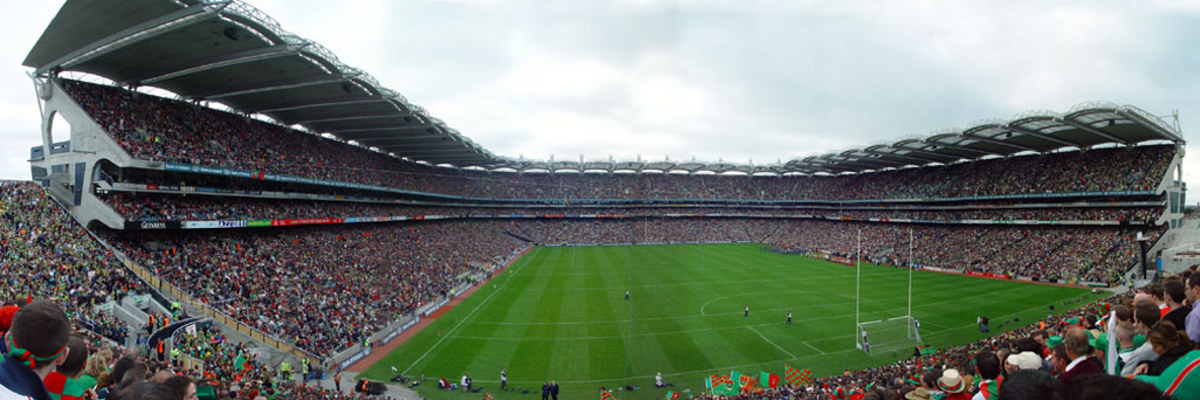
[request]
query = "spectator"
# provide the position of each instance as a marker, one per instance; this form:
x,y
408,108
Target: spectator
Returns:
x,y
987,367
1175,295
65,381
1032,385
1145,315
145,391
1108,387
1078,351
182,386
36,344
1192,321
1168,343
1180,381
954,385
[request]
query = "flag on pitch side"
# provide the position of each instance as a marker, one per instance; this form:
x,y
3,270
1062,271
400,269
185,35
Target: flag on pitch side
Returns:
x,y
806,376
720,385
768,379
725,390
487,396
742,382
671,395
795,377
606,395
718,380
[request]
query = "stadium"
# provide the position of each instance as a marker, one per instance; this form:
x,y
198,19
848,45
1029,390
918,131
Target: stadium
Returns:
x,y
234,205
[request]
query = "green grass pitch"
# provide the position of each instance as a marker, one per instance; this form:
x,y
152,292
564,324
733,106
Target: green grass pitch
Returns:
x,y
561,313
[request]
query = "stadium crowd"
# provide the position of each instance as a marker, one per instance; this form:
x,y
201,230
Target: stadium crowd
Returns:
x,y
1091,254
158,129
100,370
354,268
227,362
165,207
53,264
54,275
364,276
44,254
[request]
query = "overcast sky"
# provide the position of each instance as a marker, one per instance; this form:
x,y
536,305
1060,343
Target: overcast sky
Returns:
x,y
731,80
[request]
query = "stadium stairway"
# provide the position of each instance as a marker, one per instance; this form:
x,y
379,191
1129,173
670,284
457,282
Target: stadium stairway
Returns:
x,y
518,237
274,349
133,318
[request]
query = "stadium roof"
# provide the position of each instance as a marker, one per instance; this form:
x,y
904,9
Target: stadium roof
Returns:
x,y
229,52
232,53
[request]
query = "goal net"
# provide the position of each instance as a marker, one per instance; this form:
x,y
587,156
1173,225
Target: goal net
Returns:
x,y
888,334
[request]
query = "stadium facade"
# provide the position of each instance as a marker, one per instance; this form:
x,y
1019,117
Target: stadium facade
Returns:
x,y
300,138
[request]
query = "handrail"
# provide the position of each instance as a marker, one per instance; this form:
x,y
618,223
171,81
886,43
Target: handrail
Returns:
x,y
164,286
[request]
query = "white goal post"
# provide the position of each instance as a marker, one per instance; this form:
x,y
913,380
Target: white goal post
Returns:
x,y
887,334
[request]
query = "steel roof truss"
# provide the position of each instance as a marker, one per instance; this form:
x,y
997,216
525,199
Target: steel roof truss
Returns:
x,y
464,161
979,153
955,147
140,32
932,156
277,85
431,152
347,133
396,113
416,145
1091,130
1000,142
406,139
1037,134
919,161
300,106
225,60
1138,119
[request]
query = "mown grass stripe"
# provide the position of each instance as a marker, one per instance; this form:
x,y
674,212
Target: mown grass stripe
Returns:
x,y
597,339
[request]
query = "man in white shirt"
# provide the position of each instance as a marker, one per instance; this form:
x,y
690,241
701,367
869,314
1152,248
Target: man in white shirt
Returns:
x,y
1145,315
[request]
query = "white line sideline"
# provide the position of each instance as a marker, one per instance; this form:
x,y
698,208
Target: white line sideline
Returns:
x,y
751,328
812,347
461,321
